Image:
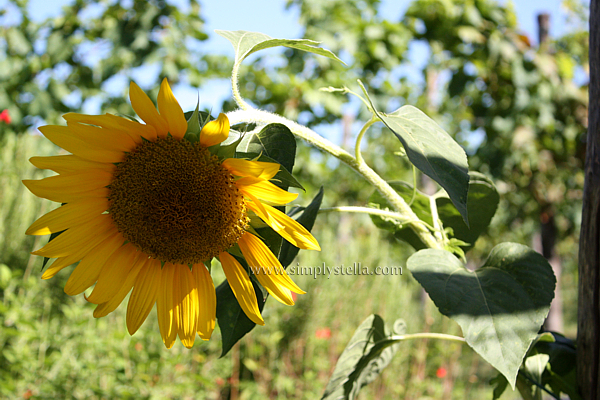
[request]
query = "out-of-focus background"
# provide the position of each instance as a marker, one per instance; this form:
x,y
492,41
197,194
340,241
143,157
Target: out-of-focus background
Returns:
x,y
510,87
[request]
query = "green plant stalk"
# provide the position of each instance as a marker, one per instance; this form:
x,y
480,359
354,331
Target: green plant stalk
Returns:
x,y
373,211
249,114
428,335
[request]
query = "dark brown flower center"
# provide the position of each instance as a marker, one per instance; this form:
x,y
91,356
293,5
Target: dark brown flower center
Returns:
x,y
175,202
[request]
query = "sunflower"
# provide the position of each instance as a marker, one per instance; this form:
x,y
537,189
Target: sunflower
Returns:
x,y
145,210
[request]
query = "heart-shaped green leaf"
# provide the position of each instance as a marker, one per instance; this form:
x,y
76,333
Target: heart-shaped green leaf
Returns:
x,y
500,306
246,43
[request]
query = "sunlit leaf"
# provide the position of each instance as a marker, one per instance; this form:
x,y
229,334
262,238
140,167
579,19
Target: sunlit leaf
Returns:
x,y
246,43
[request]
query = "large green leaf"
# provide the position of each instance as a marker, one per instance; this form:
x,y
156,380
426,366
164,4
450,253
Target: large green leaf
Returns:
x,y
500,306
431,150
233,322
369,351
246,43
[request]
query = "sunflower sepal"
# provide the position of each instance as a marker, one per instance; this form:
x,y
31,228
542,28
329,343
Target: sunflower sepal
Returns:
x,y
196,120
194,126
224,151
208,265
235,251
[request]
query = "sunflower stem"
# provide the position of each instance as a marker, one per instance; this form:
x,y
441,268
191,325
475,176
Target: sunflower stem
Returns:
x,y
247,114
235,88
373,211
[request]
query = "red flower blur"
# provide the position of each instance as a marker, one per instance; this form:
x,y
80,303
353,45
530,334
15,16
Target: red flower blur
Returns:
x,y
323,333
441,372
5,117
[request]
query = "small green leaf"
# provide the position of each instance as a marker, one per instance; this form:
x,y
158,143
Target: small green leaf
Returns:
x,y
369,351
500,306
501,385
246,43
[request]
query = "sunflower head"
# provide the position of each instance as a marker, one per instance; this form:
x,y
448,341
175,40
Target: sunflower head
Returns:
x,y
147,205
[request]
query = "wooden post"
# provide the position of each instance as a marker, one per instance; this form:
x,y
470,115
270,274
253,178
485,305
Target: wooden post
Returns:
x,y
588,318
543,27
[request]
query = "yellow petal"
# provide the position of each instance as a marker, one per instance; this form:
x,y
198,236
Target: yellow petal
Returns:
x,y
69,164
70,187
165,308
143,297
111,305
207,298
100,138
215,131
63,137
70,241
144,107
78,254
187,304
267,269
114,273
88,270
171,111
241,286
287,227
59,264
133,129
265,190
256,169
69,215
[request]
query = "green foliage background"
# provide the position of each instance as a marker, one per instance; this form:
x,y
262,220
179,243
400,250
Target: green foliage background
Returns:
x,y
525,101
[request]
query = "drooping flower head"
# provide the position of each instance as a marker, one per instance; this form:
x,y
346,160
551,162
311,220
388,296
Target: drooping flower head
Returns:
x,y
144,209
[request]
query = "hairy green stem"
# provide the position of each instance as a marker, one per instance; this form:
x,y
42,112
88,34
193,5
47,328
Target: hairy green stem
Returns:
x,y
428,335
313,138
235,88
373,211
